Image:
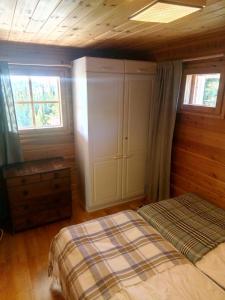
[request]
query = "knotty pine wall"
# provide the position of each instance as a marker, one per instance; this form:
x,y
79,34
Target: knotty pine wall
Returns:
x,y
46,146
198,155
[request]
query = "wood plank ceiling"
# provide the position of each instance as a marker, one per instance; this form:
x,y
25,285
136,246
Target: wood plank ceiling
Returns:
x,y
100,23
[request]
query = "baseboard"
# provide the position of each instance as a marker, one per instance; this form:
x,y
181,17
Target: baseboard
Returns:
x,y
114,203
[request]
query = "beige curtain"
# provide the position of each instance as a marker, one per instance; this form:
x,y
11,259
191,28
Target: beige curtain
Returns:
x,y
162,122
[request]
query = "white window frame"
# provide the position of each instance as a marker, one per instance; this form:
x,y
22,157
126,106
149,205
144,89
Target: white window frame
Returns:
x,y
66,96
203,68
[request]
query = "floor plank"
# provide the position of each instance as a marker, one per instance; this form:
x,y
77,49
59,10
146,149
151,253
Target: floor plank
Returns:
x,y
24,256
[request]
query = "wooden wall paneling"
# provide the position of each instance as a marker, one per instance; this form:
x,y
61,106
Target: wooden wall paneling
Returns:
x,y
187,185
6,17
52,24
37,54
198,160
89,18
41,13
22,15
126,35
210,44
208,183
150,34
66,28
104,18
201,164
210,152
94,23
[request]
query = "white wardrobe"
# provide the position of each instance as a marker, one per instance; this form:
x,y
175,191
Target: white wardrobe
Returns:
x,y
111,116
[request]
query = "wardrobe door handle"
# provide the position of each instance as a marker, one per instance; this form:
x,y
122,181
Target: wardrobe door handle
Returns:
x,y
127,156
142,70
117,157
106,68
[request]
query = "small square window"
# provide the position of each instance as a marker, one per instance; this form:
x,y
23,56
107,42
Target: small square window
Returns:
x,y
201,89
37,101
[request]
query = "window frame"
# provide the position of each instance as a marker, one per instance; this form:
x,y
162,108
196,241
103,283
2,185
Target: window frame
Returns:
x,y
66,96
198,68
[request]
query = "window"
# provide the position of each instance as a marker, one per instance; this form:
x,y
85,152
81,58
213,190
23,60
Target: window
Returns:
x,y
202,87
37,101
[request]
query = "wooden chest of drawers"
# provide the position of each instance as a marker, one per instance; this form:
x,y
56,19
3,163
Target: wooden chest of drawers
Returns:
x,y
39,192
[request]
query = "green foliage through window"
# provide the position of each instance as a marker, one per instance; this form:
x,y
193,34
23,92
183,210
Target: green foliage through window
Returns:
x,y
37,101
210,92
202,89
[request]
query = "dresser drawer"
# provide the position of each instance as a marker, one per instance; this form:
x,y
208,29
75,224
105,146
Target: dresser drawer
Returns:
x,y
22,194
55,174
38,192
42,217
16,181
36,205
61,184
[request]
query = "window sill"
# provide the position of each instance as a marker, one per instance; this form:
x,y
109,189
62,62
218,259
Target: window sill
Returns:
x,y
201,111
32,134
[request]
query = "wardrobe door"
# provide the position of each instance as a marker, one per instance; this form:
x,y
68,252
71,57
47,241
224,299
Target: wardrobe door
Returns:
x,y
136,122
105,110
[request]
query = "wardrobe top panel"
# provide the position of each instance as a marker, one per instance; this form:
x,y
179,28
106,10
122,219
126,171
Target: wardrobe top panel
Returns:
x,y
105,65
109,65
140,67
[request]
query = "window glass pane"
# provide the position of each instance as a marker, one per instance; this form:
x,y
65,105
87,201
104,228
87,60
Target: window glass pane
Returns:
x,y
24,116
20,87
202,89
211,86
42,93
45,88
47,115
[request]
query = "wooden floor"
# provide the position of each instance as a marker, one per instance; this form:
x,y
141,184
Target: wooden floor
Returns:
x,y
24,257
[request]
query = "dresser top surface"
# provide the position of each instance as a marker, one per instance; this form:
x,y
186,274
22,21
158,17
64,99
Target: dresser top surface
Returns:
x,y
34,167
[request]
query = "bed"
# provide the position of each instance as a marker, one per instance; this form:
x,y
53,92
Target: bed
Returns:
x,y
195,227
120,257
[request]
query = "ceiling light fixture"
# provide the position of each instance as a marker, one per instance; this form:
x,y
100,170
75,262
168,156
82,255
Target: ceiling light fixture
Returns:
x,y
161,11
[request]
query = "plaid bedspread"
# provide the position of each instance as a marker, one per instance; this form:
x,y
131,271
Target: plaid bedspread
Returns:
x,y
96,259
191,224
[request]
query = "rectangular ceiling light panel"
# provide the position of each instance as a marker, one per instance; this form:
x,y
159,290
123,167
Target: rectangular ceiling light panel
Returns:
x,y
163,12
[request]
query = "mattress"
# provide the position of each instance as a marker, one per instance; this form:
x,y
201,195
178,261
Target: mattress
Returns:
x,y
213,265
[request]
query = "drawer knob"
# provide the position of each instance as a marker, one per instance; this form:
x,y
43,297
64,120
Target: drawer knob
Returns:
x,y
23,180
25,193
25,206
56,186
28,222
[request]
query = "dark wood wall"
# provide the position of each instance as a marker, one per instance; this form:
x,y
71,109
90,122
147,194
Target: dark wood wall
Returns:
x,y
198,156
207,45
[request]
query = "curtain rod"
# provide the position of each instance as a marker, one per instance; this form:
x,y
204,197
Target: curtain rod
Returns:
x,y
203,57
39,65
